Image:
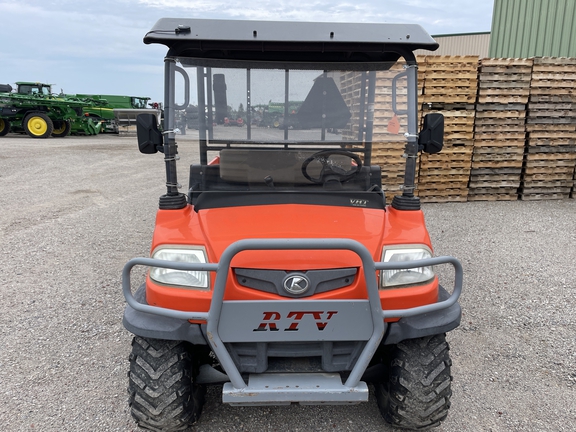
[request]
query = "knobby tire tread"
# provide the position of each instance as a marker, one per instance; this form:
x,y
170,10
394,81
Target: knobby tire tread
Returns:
x,y
415,393
162,394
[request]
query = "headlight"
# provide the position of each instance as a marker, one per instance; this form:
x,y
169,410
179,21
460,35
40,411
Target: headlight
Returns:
x,y
194,279
412,276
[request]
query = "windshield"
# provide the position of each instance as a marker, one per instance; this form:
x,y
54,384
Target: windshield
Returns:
x,y
294,126
34,89
139,103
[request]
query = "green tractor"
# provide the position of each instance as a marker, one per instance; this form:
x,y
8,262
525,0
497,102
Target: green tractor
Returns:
x,y
101,108
34,110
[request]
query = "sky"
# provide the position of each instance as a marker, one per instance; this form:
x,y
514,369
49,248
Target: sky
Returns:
x,y
96,47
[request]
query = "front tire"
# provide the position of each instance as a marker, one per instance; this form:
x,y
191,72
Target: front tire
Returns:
x,y
162,392
38,125
415,393
4,127
61,128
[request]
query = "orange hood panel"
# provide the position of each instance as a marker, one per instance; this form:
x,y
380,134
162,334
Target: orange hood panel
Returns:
x,y
217,228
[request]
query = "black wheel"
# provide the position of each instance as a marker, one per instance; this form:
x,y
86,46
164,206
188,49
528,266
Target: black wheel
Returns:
x,y
61,128
333,167
163,395
415,392
4,127
38,125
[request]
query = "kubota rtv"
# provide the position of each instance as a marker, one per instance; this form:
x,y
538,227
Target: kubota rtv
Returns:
x,y
282,273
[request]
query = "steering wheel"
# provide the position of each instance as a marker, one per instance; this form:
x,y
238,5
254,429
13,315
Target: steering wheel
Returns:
x,y
332,169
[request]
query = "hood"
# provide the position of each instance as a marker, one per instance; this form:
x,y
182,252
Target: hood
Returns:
x,y
222,227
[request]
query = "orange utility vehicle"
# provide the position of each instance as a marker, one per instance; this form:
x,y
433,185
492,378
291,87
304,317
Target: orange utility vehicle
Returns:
x,y
282,274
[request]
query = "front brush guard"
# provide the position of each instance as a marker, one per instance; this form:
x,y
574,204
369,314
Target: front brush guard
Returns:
x,y
372,331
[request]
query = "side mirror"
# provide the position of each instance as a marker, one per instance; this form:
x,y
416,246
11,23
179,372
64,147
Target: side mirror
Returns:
x,y
150,138
431,138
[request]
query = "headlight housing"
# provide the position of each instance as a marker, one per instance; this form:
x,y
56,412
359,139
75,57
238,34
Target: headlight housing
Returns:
x,y
190,279
414,276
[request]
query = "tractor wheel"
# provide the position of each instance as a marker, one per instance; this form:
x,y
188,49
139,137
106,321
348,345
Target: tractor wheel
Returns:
x,y
61,128
38,125
416,391
162,392
4,127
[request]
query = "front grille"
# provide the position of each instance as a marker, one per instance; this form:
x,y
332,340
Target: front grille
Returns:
x,y
273,281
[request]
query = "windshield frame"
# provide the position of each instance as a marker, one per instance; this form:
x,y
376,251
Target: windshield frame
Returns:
x,y
208,143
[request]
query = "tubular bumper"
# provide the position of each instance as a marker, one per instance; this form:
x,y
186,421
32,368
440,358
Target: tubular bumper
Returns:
x,y
367,315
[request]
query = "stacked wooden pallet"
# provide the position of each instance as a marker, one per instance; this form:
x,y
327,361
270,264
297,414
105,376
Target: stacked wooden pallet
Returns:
x,y
449,79
551,125
499,130
450,87
504,80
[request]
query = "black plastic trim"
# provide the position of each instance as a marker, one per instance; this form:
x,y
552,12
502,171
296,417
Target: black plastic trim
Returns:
x,y
158,326
212,199
172,202
319,281
428,324
406,203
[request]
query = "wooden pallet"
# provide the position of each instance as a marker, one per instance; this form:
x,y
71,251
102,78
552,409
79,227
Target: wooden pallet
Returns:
x,y
509,190
493,197
444,198
543,196
535,177
504,81
497,164
499,150
558,149
492,143
545,168
500,136
449,191
475,177
513,182
548,184
545,190
555,157
450,79
551,141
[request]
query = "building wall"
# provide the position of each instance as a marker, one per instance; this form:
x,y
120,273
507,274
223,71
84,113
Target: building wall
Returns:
x,y
461,44
533,28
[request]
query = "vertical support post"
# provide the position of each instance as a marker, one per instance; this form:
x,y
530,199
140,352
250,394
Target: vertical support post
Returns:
x,y
361,119
210,111
170,147
323,128
286,102
369,130
412,133
173,200
202,115
248,107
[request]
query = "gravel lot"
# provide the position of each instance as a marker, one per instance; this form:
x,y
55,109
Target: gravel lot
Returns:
x,y
74,210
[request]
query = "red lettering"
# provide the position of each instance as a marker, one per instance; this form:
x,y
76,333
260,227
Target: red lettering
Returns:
x,y
269,316
322,325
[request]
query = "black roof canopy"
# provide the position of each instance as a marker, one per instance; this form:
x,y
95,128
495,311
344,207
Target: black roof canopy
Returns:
x,y
288,41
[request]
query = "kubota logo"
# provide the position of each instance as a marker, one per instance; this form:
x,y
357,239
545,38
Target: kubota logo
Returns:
x,y
296,283
271,319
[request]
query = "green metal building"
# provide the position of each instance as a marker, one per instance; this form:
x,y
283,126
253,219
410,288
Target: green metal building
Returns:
x,y
533,28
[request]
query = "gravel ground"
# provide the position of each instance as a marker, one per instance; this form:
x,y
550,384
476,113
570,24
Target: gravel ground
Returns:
x,y
74,210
